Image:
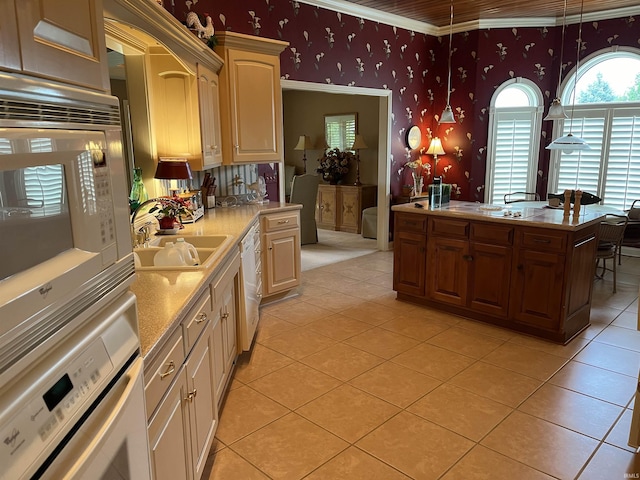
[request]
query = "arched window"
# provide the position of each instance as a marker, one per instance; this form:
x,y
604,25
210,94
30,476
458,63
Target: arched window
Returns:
x,y
515,121
605,112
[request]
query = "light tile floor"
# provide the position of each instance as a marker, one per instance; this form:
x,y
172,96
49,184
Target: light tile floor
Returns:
x,y
346,382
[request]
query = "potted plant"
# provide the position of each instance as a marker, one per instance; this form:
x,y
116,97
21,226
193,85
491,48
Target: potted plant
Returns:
x,y
334,165
168,212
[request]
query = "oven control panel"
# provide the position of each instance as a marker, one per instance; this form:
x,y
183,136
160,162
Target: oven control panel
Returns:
x,y
57,406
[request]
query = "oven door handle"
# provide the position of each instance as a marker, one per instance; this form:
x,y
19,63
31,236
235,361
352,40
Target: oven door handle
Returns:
x,y
116,414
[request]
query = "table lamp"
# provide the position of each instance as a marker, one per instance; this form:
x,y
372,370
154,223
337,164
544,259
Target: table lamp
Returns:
x,y
173,171
304,144
358,145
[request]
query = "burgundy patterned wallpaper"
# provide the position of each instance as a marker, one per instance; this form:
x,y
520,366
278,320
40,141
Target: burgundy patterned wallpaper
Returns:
x,y
329,47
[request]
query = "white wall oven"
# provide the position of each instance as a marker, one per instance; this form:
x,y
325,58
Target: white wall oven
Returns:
x,y
71,392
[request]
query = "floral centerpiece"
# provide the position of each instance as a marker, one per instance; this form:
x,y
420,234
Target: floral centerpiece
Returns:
x,y
334,165
168,211
417,171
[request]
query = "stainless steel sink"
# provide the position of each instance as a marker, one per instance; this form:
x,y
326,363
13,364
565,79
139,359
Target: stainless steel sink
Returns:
x,y
209,248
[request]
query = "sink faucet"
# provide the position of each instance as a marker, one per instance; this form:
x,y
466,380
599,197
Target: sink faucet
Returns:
x,y
143,234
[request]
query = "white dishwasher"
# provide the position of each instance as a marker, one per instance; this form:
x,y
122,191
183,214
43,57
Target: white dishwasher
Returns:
x,y
251,286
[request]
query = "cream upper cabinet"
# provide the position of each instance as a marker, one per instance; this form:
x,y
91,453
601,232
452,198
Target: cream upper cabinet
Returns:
x,y
250,98
61,40
184,110
209,101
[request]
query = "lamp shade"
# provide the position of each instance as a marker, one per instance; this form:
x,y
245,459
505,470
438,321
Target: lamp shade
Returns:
x,y
177,169
447,115
556,111
304,143
435,147
568,144
359,143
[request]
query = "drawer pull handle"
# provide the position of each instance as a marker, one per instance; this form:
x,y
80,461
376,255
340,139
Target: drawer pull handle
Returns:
x,y
192,395
225,315
541,240
468,258
280,222
202,317
171,367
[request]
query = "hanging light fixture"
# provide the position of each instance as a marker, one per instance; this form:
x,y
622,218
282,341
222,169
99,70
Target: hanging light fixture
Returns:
x,y
568,143
556,110
447,113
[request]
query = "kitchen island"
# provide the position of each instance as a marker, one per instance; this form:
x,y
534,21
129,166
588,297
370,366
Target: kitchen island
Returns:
x,y
524,266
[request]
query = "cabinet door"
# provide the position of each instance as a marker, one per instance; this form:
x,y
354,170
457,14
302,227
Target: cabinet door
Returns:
x,y
174,108
282,259
63,40
219,371
350,214
255,102
447,269
208,99
10,51
228,319
327,212
203,409
489,278
409,263
168,435
537,289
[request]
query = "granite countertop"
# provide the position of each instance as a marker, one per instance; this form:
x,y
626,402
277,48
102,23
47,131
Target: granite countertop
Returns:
x,y
164,297
534,214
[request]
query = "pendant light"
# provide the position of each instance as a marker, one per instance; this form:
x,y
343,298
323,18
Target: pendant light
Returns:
x,y
556,110
569,143
447,113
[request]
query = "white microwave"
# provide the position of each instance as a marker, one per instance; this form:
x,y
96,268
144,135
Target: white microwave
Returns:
x,y
64,226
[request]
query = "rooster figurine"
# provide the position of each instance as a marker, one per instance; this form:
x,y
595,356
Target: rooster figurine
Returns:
x,y
203,31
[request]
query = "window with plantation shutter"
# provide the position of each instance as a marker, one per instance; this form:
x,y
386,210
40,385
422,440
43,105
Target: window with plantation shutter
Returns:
x,y
340,131
610,126
513,149
622,173
580,169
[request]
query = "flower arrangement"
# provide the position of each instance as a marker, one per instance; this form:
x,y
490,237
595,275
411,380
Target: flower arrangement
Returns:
x,y
334,164
417,171
168,211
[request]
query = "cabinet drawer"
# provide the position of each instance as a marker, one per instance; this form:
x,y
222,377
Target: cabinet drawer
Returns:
x,y
547,241
449,228
163,370
492,233
196,321
276,222
411,223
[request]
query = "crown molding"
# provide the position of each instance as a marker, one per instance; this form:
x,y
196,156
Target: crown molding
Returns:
x,y
379,16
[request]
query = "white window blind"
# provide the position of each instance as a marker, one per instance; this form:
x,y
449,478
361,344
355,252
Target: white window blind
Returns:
x,y
341,132
611,169
43,184
622,175
512,158
581,168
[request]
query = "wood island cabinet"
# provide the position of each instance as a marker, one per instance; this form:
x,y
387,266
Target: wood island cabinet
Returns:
x,y
410,254
60,40
250,98
521,276
340,206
